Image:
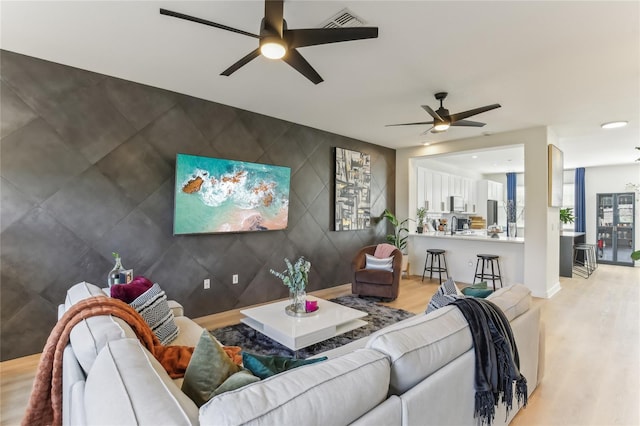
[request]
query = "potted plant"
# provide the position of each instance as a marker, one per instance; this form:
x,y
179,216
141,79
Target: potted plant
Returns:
x,y
399,237
296,277
566,215
421,213
400,231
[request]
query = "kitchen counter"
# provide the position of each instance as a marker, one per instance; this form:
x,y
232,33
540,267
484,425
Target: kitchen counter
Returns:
x,y
462,250
473,235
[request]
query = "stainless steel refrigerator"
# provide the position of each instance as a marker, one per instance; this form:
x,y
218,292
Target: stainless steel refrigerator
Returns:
x,y
615,228
492,212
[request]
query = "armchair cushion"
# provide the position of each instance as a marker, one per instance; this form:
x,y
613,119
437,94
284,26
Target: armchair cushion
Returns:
x,y
383,264
374,276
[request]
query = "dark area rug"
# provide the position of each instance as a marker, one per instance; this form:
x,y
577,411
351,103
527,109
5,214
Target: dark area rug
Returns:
x,y
252,341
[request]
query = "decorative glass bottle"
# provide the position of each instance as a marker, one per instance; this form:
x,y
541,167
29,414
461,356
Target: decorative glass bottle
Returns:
x,y
114,275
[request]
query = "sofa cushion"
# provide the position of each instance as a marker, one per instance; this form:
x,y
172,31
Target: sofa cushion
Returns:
x,y
383,264
374,276
514,300
208,368
153,308
89,336
422,345
312,394
127,385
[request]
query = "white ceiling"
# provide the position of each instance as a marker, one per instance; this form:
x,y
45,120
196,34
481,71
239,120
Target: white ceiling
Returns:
x,y
568,65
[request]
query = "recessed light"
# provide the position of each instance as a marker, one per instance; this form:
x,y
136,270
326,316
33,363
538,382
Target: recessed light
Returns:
x,y
614,124
474,156
426,143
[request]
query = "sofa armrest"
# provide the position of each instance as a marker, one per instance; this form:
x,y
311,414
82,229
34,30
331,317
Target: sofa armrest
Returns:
x,y
176,308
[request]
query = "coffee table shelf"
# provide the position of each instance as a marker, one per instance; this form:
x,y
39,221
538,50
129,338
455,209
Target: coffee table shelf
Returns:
x,y
330,320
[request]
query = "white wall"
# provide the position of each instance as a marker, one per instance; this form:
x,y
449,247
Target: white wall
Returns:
x,y
609,179
542,242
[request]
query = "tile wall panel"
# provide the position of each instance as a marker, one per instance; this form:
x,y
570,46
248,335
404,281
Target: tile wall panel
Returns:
x,y
88,168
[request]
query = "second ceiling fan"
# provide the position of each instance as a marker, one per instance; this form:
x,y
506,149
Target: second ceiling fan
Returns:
x,y
276,41
442,120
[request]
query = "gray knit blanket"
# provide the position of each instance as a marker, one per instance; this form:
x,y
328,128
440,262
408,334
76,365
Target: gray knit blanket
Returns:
x,y
497,364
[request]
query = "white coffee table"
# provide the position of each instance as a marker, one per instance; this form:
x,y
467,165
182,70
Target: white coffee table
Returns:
x,y
331,319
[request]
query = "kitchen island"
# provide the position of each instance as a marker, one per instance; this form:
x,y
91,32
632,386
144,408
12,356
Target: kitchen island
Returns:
x,y
462,250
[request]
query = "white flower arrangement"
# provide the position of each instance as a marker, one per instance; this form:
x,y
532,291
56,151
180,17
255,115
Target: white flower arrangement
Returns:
x,y
295,276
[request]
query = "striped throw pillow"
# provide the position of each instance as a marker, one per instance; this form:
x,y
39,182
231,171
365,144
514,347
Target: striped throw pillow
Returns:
x,y
153,307
384,263
447,293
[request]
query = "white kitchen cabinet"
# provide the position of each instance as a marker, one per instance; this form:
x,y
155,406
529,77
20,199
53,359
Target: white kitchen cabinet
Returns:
x,y
469,193
455,186
434,189
421,182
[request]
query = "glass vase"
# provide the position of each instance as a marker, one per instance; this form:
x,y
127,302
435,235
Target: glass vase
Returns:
x,y
297,300
114,275
512,229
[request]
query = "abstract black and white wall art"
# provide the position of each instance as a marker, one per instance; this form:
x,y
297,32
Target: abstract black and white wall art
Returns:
x,y
352,190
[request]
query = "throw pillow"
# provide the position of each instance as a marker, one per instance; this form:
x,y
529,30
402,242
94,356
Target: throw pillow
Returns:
x,y
384,250
153,307
236,381
265,366
130,292
447,293
208,368
477,290
383,264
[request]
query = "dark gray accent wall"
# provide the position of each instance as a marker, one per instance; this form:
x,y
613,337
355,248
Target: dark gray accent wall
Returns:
x,y
87,168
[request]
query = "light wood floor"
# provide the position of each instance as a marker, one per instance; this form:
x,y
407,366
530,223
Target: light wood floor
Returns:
x,y
592,372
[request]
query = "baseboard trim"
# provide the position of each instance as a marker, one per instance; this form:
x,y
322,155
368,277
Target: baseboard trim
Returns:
x,y
553,290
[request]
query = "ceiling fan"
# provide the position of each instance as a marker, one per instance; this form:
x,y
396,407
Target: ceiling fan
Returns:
x,y
276,41
442,119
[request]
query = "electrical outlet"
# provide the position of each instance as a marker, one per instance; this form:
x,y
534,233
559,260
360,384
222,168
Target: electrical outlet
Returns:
x,y
207,284
235,278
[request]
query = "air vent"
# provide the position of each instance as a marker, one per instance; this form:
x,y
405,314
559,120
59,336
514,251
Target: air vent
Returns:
x,y
344,18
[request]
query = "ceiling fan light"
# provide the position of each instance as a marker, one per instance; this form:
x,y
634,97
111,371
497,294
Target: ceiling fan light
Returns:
x,y
614,124
273,48
441,127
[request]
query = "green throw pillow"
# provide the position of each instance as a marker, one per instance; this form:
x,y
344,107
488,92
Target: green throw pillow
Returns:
x,y
208,368
265,366
477,290
236,381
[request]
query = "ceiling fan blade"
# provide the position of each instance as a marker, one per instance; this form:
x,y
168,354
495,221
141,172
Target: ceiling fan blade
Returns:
x,y
462,115
274,15
295,59
242,62
468,123
315,36
430,129
409,124
205,22
432,113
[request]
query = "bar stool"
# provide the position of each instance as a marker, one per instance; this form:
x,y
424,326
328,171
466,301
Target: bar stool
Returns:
x,y
584,260
488,260
437,254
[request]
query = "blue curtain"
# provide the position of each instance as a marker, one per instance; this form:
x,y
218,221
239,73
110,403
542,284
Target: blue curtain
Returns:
x,y
511,197
580,224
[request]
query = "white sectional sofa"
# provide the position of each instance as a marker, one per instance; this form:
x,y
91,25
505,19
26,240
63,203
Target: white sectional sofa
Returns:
x,y
417,372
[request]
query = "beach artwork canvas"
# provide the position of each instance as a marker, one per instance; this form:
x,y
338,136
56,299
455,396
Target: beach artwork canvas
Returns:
x,y
214,195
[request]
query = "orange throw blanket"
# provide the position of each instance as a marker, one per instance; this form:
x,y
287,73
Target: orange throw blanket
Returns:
x,y
45,403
